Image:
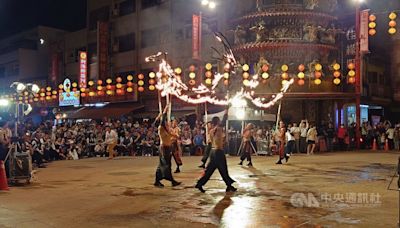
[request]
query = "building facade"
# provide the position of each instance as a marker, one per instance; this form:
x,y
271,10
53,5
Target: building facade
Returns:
x,y
28,57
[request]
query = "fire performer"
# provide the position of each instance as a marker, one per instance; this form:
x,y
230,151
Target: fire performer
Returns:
x,y
176,145
208,147
217,156
166,141
247,145
282,139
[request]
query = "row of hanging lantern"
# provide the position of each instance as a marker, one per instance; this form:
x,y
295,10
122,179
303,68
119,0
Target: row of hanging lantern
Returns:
x,y
99,88
392,24
316,74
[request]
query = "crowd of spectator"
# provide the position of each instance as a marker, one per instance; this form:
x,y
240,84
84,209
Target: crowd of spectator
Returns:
x,y
76,140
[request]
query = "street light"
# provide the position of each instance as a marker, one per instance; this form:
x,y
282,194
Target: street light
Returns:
x,y
205,2
212,5
4,102
209,4
240,113
20,88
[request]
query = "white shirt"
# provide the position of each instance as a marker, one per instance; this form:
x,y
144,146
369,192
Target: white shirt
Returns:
x,y
295,131
111,137
289,137
303,132
390,133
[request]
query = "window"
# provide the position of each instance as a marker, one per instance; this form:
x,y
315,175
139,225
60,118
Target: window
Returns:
x,y
150,37
101,14
126,42
13,69
373,77
149,3
92,52
179,34
127,7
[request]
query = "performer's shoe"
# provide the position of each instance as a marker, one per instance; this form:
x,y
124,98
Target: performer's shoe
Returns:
x,y
287,158
240,163
279,162
200,188
230,188
176,183
177,170
158,184
202,166
250,164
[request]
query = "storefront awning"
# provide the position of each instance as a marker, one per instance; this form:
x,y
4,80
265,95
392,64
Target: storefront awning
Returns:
x,y
109,111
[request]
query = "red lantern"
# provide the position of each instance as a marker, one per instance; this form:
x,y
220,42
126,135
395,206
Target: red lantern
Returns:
x,y
140,76
192,82
336,74
100,93
301,67
317,74
129,84
152,81
119,91
192,68
352,80
265,68
300,82
285,75
119,80
109,87
226,82
208,74
140,89
83,94
99,82
351,66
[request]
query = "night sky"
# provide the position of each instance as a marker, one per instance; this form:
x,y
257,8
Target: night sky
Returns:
x,y
19,15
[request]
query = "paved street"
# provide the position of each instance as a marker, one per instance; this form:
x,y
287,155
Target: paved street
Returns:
x,y
336,190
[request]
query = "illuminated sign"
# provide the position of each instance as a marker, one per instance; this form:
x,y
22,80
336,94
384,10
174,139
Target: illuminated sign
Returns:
x,y
68,97
196,37
82,69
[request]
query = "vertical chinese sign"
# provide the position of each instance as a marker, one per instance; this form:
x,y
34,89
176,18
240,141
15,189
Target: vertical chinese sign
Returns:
x,y
82,69
364,31
54,68
102,49
196,37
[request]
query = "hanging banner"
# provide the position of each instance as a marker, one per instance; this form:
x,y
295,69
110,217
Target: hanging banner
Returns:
x,y
54,68
196,37
364,31
102,49
82,69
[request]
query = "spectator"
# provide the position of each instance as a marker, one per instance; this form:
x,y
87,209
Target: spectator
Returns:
x,y
341,135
